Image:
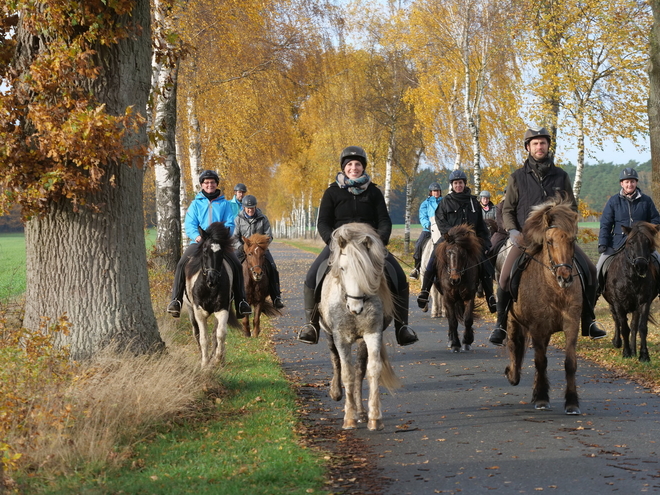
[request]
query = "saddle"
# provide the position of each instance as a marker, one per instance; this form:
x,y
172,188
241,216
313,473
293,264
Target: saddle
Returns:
x,y
390,274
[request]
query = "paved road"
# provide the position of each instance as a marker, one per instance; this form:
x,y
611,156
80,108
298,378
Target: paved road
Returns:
x,y
457,426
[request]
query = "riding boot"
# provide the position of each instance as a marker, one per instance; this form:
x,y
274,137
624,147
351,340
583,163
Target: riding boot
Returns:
x,y
274,286
404,334
487,284
179,285
427,284
238,286
499,333
309,332
590,327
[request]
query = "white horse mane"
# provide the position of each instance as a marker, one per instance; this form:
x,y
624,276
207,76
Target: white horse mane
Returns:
x,y
365,253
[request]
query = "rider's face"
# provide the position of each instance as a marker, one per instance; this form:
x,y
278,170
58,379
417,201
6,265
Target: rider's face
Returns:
x,y
354,169
629,186
484,200
435,194
538,148
239,195
458,185
250,211
209,186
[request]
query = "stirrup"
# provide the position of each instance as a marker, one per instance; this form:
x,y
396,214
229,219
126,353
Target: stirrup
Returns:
x,y
492,303
414,274
405,336
278,303
244,308
423,299
497,336
308,334
594,332
174,308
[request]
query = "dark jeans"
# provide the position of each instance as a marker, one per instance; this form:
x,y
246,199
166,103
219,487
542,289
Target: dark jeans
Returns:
x,y
419,247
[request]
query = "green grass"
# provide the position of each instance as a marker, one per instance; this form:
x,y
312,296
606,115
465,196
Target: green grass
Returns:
x,y
12,261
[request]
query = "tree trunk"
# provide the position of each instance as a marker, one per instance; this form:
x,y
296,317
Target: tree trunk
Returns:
x,y
654,101
91,266
388,169
579,168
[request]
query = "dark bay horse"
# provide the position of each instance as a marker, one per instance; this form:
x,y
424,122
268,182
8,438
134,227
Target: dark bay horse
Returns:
x,y
256,279
356,306
457,264
208,291
549,300
631,286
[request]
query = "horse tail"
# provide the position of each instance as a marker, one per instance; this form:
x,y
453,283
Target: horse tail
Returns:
x,y
268,309
232,321
388,378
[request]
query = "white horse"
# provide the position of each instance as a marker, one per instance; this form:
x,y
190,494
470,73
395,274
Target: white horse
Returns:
x,y
356,306
435,298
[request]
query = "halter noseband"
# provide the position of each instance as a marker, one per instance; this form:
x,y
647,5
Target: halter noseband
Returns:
x,y
555,266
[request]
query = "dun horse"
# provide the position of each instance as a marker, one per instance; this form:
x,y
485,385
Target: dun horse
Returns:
x,y
631,286
457,265
356,306
208,291
256,279
549,300
435,298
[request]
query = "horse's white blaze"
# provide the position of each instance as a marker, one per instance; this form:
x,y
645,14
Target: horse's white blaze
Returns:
x,y
215,247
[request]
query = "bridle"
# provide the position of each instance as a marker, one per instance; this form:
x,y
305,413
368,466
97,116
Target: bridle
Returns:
x,y
555,266
634,259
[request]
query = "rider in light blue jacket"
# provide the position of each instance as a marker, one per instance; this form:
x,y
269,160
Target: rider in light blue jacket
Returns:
x,y
208,206
426,213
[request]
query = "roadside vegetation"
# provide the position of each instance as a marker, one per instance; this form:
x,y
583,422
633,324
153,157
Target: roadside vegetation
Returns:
x,y
147,424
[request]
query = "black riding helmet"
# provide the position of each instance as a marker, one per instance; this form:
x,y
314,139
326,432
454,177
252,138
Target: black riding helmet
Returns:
x,y
353,153
209,174
533,132
240,187
249,201
457,175
628,173
434,186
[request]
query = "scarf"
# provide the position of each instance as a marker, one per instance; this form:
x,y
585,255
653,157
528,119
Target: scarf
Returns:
x,y
541,168
354,186
464,197
632,196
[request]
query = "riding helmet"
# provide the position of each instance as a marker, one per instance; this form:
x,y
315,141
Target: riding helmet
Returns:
x,y
249,201
628,173
457,174
484,194
534,132
353,153
434,186
240,187
209,174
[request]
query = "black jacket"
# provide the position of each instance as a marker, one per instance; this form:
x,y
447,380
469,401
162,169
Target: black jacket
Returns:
x,y
339,207
459,208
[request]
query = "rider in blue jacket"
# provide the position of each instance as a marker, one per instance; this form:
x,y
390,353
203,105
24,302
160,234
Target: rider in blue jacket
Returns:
x,y
426,213
630,205
208,206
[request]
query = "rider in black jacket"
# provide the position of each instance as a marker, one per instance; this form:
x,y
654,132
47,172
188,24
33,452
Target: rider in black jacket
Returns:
x,y
354,198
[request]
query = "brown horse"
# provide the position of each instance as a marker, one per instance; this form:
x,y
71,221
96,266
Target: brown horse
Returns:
x,y
631,286
457,263
255,275
549,300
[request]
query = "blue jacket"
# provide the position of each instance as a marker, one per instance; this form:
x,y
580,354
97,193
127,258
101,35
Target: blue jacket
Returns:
x,y
427,211
202,213
236,205
620,211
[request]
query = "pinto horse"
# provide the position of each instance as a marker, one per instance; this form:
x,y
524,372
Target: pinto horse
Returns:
x,y
208,291
549,300
256,279
356,306
457,264
630,287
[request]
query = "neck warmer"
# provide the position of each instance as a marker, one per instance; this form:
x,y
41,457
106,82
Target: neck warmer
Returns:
x,y
354,186
541,168
212,195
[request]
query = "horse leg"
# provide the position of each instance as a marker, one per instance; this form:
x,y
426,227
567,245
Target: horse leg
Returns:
x,y
616,340
220,333
621,319
373,343
360,372
516,346
641,324
452,323
335,383
199,329
256,321
246,325
347,376
571,401
541,390
437,309
468,319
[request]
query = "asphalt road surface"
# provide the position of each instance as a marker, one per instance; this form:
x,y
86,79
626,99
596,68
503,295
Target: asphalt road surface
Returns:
x,y
458,426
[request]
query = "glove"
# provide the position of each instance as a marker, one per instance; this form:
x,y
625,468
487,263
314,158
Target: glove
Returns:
x,y
515,236
601,249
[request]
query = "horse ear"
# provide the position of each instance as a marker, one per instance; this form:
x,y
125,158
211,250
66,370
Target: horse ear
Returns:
x,y
246,240
368,242
202,232
626,230
657,228
341,242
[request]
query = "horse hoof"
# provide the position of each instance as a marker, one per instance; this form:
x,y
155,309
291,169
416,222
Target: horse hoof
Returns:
x,y
375,425
466,347
455,349
349,424
644,358
572,410
542,406
616,344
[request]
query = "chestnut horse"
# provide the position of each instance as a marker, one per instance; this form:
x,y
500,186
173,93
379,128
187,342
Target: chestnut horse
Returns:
x,y
631,286
356,306
457,278
549,300
256,279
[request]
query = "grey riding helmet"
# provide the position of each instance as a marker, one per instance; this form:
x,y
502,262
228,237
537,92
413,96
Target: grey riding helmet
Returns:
x,y
457,175
484,194
240,187
434,186
628,173
249,201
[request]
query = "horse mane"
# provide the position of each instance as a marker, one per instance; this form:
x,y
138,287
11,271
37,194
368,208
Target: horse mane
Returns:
x,y
557,212
647,230
260,240
216,232
464,237
366,252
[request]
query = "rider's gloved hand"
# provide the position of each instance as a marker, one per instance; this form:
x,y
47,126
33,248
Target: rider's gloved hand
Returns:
x,y
516,237
602,249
